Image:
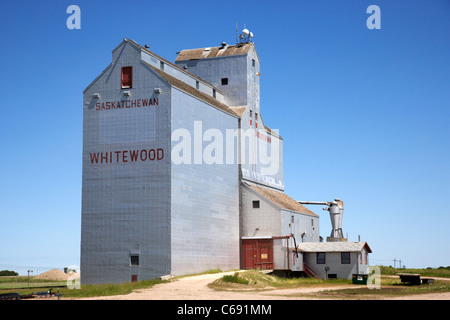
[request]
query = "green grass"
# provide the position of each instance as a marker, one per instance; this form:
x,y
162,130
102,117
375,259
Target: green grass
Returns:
x,y
234,279
390,286
109,289
441,272
10,284
255,280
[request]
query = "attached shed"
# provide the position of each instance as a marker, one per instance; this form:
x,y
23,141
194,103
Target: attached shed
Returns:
x,y
336,259
272,225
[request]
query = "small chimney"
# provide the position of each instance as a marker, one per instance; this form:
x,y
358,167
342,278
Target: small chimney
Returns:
x,y
223,45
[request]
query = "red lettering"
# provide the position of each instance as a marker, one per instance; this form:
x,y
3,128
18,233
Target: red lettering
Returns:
x,y
117,154
108,105
94,157
133,103
104,157
155,102
127,103
160,155
134,155
127,156
139,103
144,102
103,106
150,155
144,152
97,106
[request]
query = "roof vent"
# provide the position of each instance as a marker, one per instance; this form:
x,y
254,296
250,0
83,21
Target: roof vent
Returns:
x,y
147,46
207,49
223,45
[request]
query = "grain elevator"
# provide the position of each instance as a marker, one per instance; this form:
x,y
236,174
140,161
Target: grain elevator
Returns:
x,y
180,172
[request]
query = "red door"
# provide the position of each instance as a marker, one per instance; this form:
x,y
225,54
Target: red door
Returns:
x,y
257,254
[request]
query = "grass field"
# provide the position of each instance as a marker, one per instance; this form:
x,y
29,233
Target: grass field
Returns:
x,y
390,286
248,280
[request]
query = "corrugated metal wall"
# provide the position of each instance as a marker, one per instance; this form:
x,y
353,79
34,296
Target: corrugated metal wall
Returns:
x,y
125,203
205,197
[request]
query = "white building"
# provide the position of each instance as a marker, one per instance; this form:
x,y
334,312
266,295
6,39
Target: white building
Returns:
x,y
180,173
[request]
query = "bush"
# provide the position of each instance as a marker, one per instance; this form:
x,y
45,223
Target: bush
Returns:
x,y
8,273
234,278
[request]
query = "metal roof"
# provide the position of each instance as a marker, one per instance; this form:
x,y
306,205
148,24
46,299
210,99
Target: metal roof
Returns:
x,y
214,52
188,89
333,246
281,199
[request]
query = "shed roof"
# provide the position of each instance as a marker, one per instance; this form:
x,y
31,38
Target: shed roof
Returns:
x,y
281,199
214,52
333,246
196,93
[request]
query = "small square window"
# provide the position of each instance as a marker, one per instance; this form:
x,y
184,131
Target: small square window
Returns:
x,y
256,204
345,257
320,257
134,260
224,81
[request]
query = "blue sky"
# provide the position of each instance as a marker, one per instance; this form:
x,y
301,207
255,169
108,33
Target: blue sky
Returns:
x,y
363,113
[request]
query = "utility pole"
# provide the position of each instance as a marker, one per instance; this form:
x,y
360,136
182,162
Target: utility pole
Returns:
x,y
394,262
29,277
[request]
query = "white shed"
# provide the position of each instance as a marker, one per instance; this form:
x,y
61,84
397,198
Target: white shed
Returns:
x,y
336,259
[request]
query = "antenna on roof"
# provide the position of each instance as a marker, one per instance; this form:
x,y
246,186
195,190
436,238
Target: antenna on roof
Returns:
x,y
245,37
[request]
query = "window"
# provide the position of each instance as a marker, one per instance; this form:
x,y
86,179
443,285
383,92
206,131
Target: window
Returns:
x,y
134,260
253,62
256,204
367,258
256,116
127,77
197,85
224,81
345,257
312,222
161,65
214,93
251,113
320,257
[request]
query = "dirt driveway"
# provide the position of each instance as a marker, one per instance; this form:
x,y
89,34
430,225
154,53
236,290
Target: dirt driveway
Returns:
x,y
196,288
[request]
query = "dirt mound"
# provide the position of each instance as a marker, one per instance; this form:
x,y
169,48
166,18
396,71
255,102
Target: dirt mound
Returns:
x,y
54,274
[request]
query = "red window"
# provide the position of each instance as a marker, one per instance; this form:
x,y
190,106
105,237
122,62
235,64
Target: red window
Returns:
x,y
127,77
256,124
